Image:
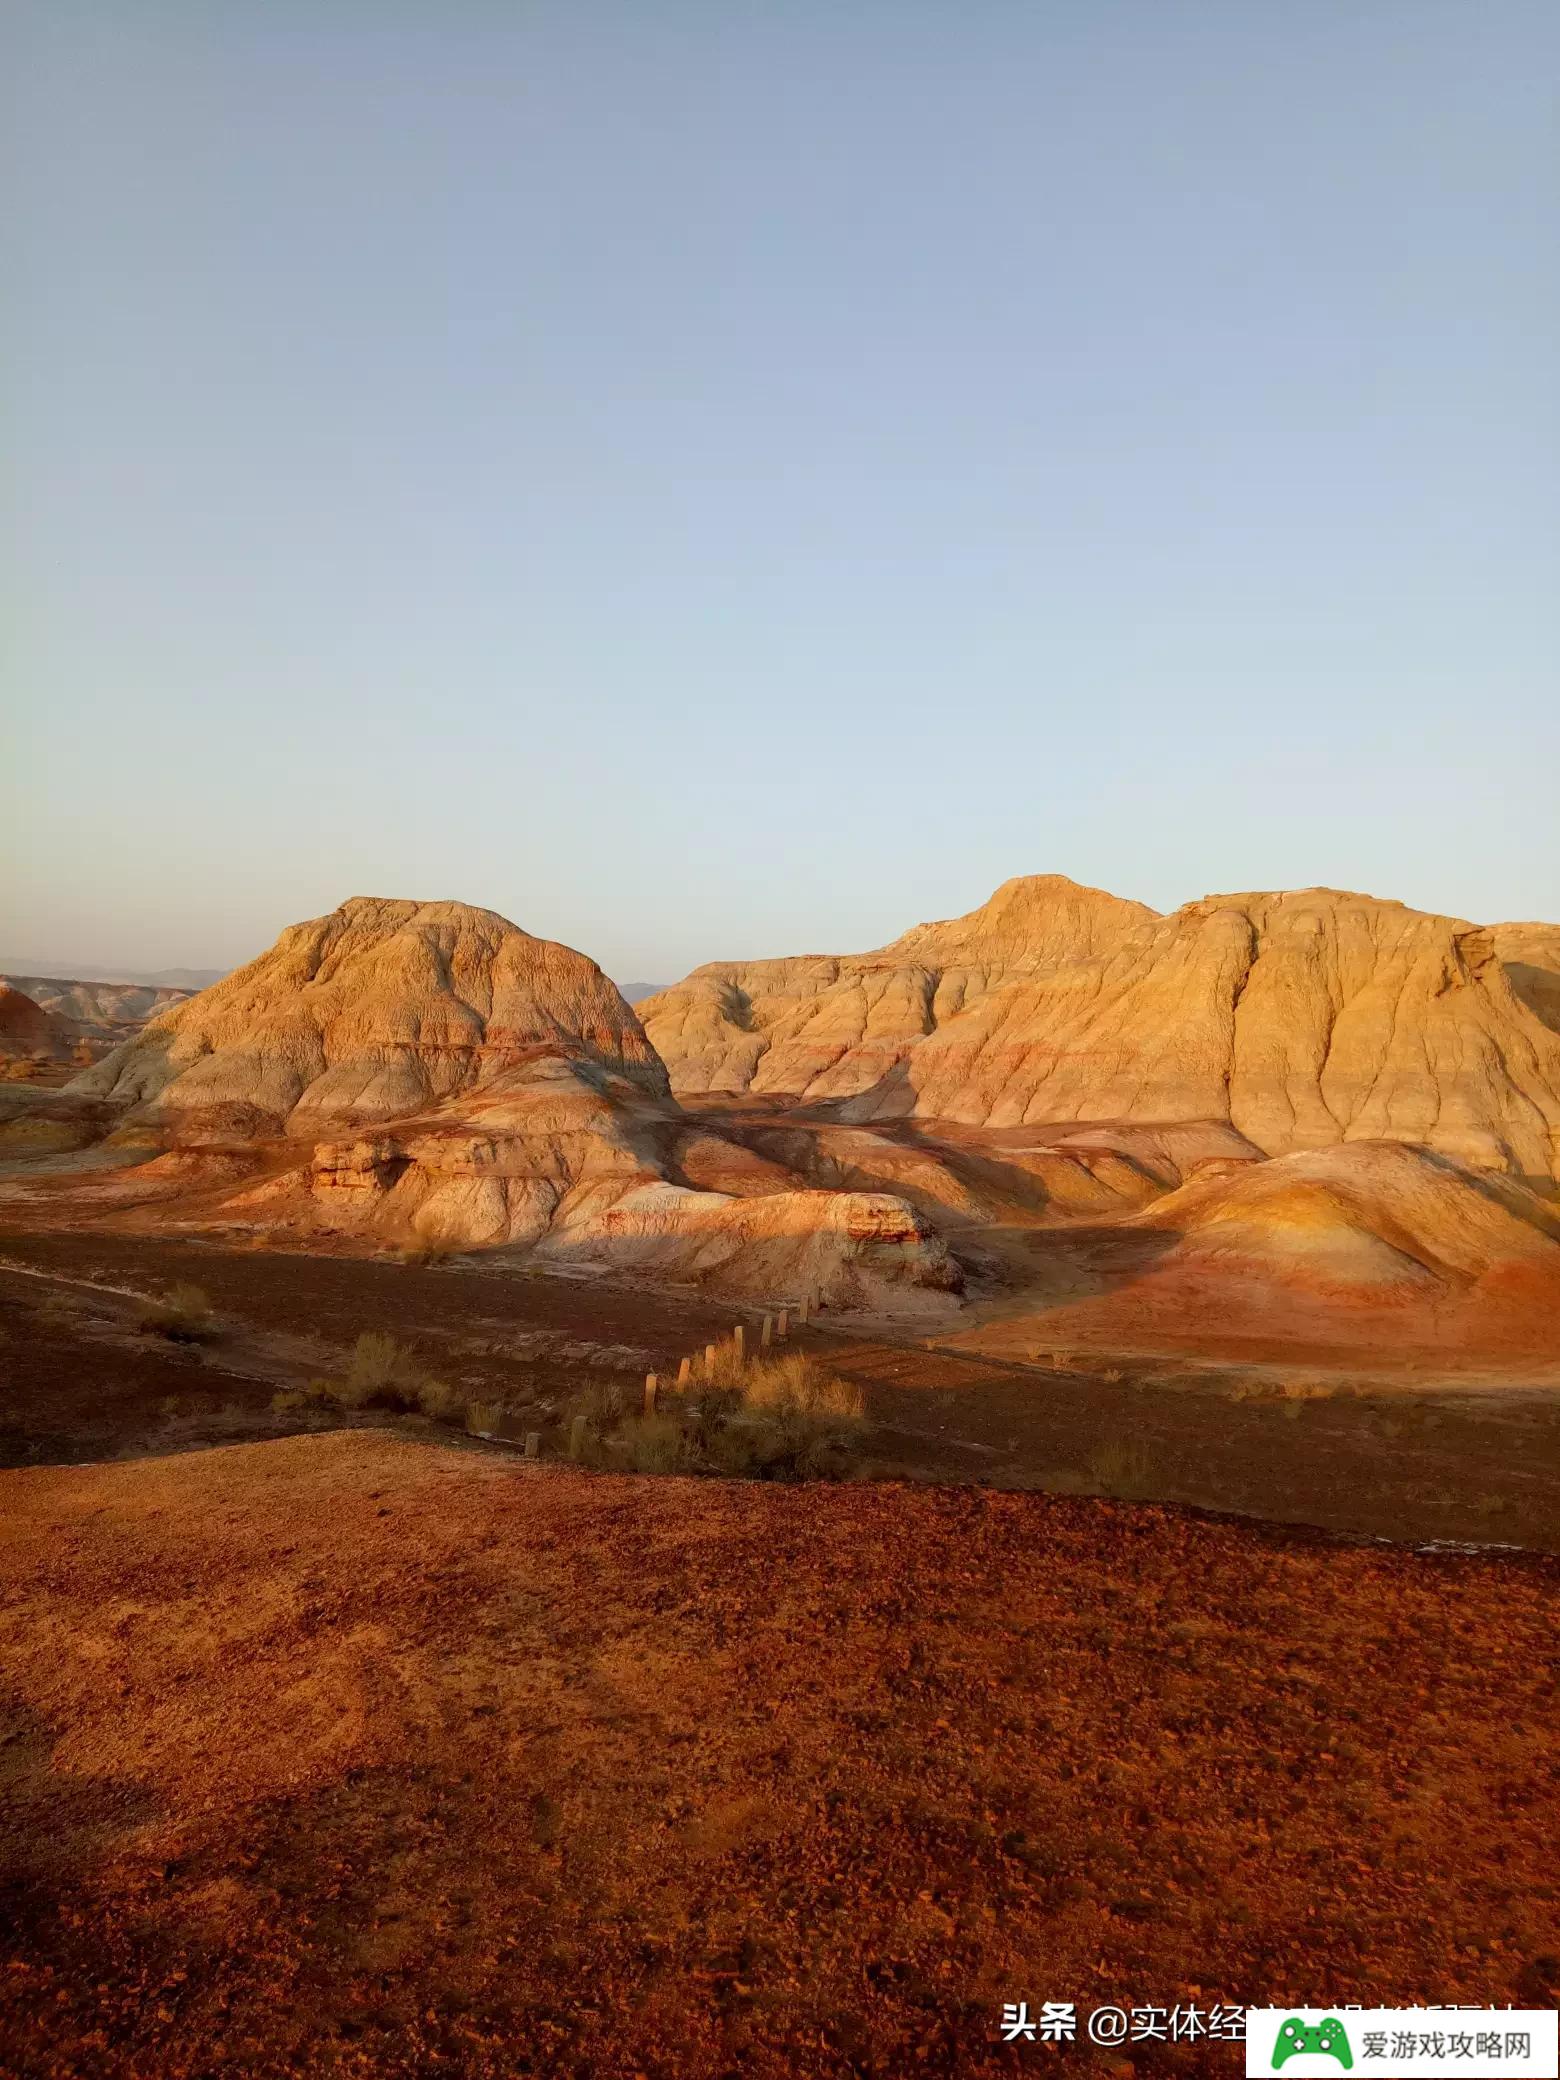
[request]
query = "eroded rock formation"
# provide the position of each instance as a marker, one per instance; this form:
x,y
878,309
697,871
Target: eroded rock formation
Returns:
x,y
28,1032
1300,1019
97,1016
375,1012
430,1073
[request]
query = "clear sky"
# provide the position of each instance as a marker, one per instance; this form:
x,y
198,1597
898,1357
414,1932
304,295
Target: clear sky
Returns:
x,y
711,479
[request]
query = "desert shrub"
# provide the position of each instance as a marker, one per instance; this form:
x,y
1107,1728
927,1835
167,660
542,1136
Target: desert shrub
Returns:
x,y
378,1364
733,1371
797,1419
182,1314
1121,1468
440,1403
1308,1389
289,1401
591,1417
774,1419
603,1404
653,1444
381,1374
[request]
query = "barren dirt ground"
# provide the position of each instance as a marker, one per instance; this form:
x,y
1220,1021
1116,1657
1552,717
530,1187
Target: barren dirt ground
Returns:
x,y
1408,1451
358,1755
353,1747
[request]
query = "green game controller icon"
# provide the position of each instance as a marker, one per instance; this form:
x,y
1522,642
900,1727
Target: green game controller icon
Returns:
x,y
1329,2037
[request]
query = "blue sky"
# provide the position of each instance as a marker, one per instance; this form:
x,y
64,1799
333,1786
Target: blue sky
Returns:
x,y
713,479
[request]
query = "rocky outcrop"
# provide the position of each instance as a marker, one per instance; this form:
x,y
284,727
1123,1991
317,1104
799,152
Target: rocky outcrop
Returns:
x,y
963,1178
835,1026
1371,1215
1390,1253
376,1012
1530,955
430,1074
29,1033
1301,1020
97,1016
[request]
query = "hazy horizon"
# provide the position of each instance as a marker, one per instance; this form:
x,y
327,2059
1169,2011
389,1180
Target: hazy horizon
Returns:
x,y
716,485
172,974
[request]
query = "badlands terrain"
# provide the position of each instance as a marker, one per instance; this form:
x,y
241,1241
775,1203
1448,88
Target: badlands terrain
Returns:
x,y
1182,1635
1311,1121
44,1019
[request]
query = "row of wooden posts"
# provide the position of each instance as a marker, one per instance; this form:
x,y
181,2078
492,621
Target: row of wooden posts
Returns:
x,y
774,1328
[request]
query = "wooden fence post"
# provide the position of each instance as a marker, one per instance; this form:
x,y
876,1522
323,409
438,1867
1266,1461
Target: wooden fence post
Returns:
x,y
651,1383
782,1326
577,1431
684,1371
533,1444
739,1343
766,1334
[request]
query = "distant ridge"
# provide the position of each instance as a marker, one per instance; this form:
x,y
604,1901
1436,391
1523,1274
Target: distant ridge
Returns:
x,y
93,971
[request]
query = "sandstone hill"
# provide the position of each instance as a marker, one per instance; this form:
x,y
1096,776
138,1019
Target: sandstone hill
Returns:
x,y
427,1072
99,1016
1530,954
28,1032
1376,1214
1375,1247
1299,1019
375,1012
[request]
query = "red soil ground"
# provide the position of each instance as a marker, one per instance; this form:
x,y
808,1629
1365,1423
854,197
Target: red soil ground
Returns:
x,y
355,1756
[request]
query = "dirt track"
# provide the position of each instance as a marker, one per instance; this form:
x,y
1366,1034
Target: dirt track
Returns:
x,y
350,1755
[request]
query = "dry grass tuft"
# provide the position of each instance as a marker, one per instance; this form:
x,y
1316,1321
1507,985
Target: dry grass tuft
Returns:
x,y
771,1419
381,1374
183,1315
424,1256
653,1444
440,1403
1122,1469
1309,1389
